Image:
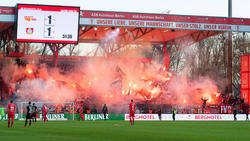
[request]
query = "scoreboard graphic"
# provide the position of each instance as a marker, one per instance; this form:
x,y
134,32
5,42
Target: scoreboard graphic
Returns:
x,y
47,24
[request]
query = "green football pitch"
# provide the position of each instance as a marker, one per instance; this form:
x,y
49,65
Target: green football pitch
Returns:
x,y
122,131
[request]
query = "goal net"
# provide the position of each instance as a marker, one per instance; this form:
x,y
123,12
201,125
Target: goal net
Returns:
x,y
56,110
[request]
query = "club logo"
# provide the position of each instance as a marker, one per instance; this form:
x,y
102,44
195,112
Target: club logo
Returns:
x,y
29,31
29,18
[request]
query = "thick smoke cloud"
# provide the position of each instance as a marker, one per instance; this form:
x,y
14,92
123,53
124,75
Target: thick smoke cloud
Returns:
x,y
112,81
108,80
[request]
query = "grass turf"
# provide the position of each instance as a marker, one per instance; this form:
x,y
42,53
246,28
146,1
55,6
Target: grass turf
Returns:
x,y
122,131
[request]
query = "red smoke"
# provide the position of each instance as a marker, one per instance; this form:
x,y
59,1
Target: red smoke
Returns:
x,y
108,81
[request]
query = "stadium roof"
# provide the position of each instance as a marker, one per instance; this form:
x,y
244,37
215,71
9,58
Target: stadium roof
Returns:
x,y
143,27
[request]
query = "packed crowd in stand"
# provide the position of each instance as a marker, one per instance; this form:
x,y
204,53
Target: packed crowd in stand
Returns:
x,y
10,93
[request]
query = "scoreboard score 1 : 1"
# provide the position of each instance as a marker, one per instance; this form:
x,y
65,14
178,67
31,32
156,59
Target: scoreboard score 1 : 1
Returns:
x,y
49,30
51,24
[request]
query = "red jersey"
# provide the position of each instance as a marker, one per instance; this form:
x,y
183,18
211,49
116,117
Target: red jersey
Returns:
x,y
44,109
11,108
81,110
132,107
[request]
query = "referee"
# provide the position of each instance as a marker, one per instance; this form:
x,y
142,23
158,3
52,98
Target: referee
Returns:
x,y
29,114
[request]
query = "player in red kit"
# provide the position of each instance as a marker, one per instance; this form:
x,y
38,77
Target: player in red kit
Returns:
x,y
45,113
132,112
81,116
11,113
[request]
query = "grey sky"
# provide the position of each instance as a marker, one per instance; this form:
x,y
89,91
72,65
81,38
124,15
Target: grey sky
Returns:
x,y
241,8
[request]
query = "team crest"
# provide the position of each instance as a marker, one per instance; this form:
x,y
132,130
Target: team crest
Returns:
x,y
29,31
29,18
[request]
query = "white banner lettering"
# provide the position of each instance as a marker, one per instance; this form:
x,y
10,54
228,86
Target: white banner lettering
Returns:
x,y
162,24
188,117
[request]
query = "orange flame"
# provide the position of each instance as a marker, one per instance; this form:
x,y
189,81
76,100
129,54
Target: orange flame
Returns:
x,y
73,85
150,83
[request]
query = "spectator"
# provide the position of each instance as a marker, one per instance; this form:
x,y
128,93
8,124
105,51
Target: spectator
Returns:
x,y
184,111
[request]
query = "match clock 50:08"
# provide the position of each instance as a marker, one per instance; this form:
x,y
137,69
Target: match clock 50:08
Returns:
x,y
67,36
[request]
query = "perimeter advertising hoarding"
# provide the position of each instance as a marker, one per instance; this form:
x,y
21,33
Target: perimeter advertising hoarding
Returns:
x,y
67,116
145,117
101,116
39,116
245,78
47,24
188,117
